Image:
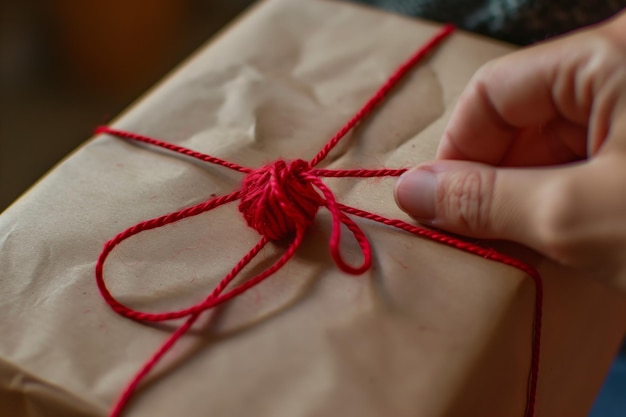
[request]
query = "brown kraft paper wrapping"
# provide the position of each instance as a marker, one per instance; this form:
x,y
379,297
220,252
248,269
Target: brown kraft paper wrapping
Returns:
x,y
429,331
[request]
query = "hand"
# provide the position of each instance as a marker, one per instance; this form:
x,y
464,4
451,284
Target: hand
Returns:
x,y
535,153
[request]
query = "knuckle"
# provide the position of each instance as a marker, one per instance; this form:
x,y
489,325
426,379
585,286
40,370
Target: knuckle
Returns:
x,y
486,70
467,198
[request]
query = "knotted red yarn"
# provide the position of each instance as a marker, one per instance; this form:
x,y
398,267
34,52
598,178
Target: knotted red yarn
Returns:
x,y
280,201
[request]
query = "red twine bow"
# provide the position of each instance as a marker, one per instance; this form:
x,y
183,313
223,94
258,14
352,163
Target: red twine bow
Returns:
x,y
280,201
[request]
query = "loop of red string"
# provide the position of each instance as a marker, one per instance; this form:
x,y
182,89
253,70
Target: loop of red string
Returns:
x,y
280,201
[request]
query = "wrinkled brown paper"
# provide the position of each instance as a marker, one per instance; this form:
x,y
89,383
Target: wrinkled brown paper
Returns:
x,y
429,331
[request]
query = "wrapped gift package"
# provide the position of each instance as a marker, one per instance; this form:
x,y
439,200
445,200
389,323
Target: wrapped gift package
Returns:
x,y
428,331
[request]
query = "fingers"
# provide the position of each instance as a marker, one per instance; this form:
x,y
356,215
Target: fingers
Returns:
x,y
571,214
527,90
477,200
503,97
554,143
549,104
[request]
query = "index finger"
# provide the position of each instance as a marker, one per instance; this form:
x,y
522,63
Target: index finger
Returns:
x,y
511,94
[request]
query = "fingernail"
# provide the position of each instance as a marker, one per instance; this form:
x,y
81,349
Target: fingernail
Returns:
x,y
415,193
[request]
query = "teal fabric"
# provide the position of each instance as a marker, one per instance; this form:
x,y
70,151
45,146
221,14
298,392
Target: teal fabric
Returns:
x,y
517,21
611,401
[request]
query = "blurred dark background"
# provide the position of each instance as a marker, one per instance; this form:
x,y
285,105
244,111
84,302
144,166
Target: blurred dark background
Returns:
x,y
69,65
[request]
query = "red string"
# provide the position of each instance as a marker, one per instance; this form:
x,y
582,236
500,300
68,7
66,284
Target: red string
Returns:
x,y
382,92
280,201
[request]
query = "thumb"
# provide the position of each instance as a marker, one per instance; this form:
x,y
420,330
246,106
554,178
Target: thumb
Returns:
x,y
477,200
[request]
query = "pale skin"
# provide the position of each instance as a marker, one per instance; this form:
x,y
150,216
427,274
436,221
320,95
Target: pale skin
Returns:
x,y
535,153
